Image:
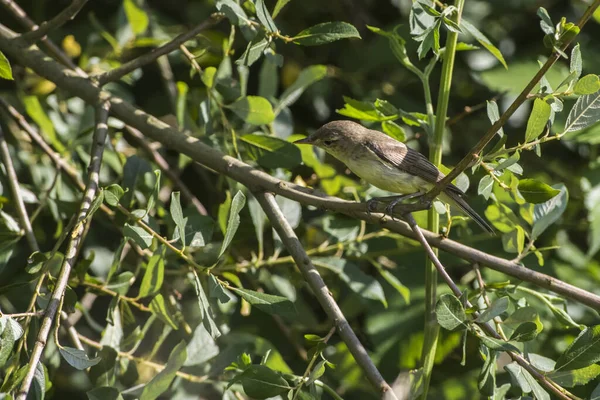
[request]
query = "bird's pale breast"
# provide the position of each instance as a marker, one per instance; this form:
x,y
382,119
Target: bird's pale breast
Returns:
x,y
384,175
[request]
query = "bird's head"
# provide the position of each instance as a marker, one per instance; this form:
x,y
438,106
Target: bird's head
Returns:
x,y
336,138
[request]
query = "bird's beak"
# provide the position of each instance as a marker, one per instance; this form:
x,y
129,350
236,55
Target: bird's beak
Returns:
x,y
306,140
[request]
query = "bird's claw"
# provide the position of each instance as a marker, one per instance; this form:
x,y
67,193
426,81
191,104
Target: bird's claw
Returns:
x,y
371,205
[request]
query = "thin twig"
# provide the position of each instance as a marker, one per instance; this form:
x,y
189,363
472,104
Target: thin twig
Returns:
x,y
471,157
157,367
72,247
147,58
488,303
13,182
255,179
59,20
547,383
322,293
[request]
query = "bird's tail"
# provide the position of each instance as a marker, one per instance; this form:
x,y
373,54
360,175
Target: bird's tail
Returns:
x,y
456,200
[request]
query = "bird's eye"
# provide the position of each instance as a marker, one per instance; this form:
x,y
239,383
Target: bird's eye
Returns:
x,y
327,142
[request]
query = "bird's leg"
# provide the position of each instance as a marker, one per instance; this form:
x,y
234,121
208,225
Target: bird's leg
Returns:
x,y
372,203
389,210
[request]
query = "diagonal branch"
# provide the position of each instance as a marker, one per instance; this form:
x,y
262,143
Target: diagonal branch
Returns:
x,y
59,20
257,180
473,154
20,15
322,293
147,58
13,182
547,383
73,246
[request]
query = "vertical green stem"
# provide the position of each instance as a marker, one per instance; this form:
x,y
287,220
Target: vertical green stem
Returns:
x,y
431,332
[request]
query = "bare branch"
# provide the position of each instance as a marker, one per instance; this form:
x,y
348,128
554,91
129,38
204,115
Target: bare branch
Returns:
x,y
72,247
257,180
62,18
147,58
547,383
13,182
322,293
471,157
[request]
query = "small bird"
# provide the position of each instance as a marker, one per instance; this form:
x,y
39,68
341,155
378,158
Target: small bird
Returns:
x,y
386,163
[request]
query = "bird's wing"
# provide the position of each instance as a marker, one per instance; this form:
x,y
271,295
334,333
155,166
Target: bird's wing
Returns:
x,y
409,160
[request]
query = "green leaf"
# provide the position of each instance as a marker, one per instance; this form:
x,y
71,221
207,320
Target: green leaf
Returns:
x,y
534,191
450,313
261,382
136,17
307,77
238,202
78,358
104,393
576,64
497,344
487,376
545,214
198,230
485,186
396,284
583,352
204,306
326,32
394,130
526,382
514,241
177,216
576,377
272,152
483,40
540,114
279,6
587,85
362,284
525,332
253,51
254,110
138,235
112,194
5,68
584,113
545,23
201,348
121,283
364,111
494,114
498,307
159,307
182,92
420,20
264,16
36,112
234,12
161,382
274,305
154,275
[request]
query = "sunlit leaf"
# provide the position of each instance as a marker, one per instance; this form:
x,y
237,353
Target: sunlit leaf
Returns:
x,y
5,68
254,110
161,382
326,32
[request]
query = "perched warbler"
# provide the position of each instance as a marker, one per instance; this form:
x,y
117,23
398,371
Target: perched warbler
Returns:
x,y
386,163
